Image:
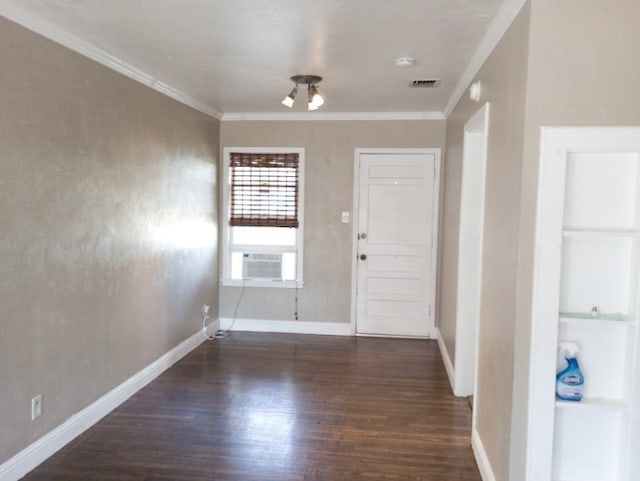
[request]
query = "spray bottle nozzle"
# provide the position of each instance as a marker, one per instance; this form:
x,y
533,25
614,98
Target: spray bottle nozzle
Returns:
x,y
568,349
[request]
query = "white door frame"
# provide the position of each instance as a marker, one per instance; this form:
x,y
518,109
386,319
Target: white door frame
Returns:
x,y
470,241
434,235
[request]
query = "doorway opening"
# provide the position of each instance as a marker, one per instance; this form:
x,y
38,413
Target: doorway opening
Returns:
x,y
470,244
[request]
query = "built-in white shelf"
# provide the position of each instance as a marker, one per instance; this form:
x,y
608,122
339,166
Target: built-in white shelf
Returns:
x,y
587,260
590,442
599,272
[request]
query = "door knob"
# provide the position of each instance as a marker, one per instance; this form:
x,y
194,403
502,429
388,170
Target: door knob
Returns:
x,y
363,257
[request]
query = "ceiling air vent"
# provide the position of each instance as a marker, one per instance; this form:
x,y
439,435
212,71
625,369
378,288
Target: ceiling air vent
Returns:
x,y
424,84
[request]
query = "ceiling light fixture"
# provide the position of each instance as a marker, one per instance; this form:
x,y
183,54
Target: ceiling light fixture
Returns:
x,y
315,100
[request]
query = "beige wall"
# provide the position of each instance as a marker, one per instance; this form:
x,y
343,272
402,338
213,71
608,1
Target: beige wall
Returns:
x,y
108,240
503,79
329,156
567,63
583,70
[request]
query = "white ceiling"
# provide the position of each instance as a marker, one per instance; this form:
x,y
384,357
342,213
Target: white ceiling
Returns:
x,y
236,57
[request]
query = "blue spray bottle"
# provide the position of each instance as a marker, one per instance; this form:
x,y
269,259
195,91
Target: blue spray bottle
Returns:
x,y
570,381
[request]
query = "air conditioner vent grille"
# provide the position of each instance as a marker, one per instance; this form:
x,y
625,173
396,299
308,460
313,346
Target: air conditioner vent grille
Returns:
x,y
424,83
262,266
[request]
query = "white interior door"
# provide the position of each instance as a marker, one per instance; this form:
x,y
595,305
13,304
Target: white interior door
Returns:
x,y
396,231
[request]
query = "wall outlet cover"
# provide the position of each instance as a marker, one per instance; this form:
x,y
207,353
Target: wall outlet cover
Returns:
x,y
36,407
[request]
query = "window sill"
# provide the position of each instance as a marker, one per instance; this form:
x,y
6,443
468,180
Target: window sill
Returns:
x,y
261,283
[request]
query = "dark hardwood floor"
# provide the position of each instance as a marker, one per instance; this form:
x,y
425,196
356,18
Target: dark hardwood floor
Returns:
x,y
273,407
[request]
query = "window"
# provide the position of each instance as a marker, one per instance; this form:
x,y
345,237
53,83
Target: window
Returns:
x,y
262,230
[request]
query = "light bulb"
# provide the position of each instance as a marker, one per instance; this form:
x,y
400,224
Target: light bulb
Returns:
x,y
318,100
288,100
315,99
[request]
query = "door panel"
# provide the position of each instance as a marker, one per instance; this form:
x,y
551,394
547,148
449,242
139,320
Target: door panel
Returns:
x,y
381,263
399,287
395,229
397,212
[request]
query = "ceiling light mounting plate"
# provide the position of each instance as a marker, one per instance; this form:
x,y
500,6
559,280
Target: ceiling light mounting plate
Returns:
x,y
306,79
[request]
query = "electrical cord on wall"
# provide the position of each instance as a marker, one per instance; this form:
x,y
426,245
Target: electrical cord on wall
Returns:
x,y
222,333
296,305
295,313
205,318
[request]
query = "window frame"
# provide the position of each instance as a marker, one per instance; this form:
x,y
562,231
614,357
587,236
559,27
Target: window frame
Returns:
x,y
227,248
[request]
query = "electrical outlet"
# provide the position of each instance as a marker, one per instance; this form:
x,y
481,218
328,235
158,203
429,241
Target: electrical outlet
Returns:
x,y
205,309
36,407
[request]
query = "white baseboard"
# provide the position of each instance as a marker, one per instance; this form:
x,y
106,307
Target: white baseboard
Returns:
x,y
448,365
34,454
486,472
290,327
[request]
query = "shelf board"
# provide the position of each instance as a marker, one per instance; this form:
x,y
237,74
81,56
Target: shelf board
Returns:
x,y
608,319
582,479
586,403
614,477
601,232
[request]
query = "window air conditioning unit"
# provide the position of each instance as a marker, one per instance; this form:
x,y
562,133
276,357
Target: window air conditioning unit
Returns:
x,y
262,266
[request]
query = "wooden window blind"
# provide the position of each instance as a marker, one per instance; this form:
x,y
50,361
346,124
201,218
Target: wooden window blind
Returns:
x,y
264,189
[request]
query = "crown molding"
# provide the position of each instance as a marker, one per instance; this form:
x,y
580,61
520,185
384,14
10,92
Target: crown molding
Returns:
x,y
92,52
496,30
325,116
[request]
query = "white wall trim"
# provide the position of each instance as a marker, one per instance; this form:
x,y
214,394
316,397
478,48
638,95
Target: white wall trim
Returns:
x,y
62,37
507,13
354,241
446,358
319,116
289,327
470,241
482,460
34,454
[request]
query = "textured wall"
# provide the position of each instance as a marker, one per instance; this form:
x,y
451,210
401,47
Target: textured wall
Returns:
x,y
108,230
504,81
329,156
